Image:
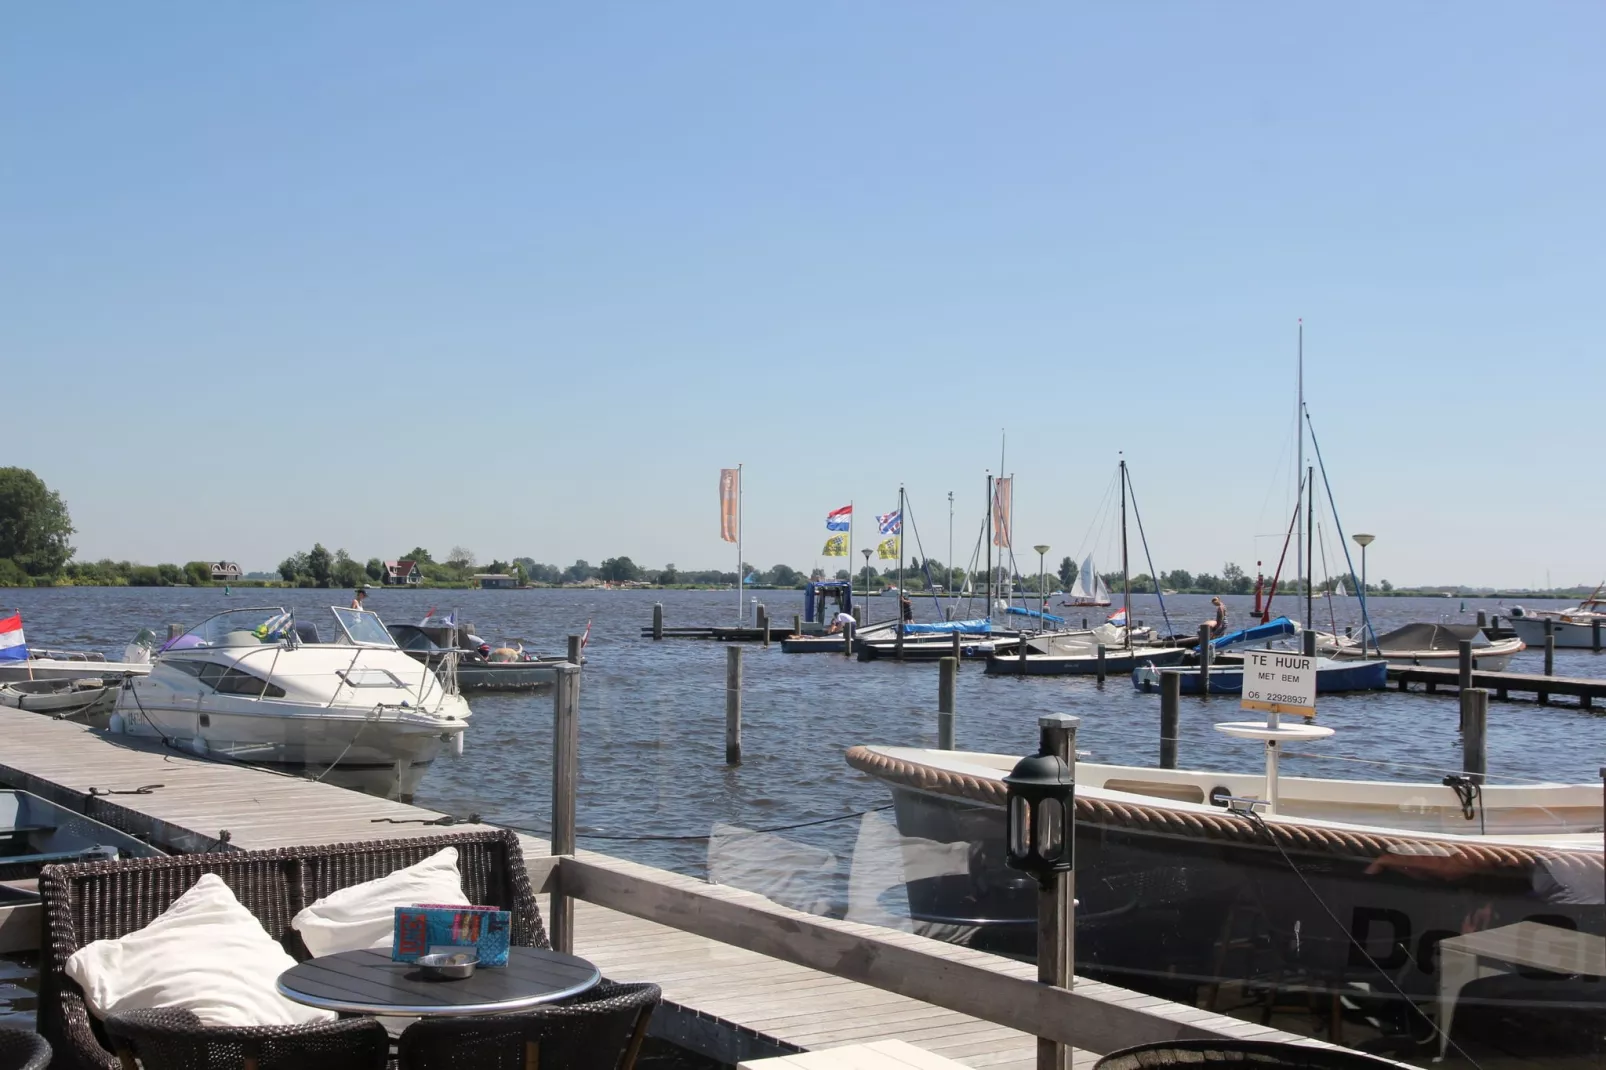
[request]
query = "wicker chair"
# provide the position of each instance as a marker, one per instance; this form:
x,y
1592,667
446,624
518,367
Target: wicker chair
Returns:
x,y
1247,1054
599,1030
92,901
177,1040
23,1051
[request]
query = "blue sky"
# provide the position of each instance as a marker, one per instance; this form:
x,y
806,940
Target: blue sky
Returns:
x,y
524,278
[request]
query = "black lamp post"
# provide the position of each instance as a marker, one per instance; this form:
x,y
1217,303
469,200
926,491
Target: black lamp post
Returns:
x,y
1040,839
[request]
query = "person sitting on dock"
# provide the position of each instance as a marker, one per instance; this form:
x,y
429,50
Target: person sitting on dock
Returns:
x,y
1219,625
839,622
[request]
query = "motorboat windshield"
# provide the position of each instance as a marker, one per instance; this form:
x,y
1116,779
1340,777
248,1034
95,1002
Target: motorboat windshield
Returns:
x,y
237,627
362,627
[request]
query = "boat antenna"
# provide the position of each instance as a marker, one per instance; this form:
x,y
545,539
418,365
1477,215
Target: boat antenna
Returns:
x,y
1299,433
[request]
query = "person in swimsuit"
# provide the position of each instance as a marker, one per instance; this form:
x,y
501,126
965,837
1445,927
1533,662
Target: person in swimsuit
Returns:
x,y
1219,625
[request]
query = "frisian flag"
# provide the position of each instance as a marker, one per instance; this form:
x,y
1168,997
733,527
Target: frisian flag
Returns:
x,y
1003,498
730,489
13,647
839,519
891,523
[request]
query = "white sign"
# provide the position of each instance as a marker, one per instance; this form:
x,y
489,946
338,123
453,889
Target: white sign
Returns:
x,y
1279,683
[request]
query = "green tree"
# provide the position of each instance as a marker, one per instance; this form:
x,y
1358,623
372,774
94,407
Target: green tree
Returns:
x,y
34,525
668,577
785,576
346,572
375,569
320,564
198,573
461,558
1235,580
1385,586
1067,573
1177,579
578,572
618,570
292,567
418,555
520,577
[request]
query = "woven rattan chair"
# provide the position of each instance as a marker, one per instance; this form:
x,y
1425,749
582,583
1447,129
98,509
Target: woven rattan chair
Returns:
x,y
23,1051
600,1030
92,901
1244,1054
177,1040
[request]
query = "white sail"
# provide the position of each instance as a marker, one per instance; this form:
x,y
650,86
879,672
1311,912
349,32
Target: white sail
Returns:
x,y
1087,581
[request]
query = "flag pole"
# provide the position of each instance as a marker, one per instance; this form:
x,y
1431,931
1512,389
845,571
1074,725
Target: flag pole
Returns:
x,y
850,555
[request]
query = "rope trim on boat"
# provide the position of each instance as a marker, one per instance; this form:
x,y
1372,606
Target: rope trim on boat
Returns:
x,y
1218,826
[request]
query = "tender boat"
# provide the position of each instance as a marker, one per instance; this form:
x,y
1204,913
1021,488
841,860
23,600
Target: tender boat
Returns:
x,y
1580,628
1332,677
88,700
504,668
1425,644
258,686
1181,890
35,833
929,642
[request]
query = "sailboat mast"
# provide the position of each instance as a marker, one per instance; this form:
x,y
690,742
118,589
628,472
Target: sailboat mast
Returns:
x,y
989,542
900,555
1126,575
1299,470
1310,533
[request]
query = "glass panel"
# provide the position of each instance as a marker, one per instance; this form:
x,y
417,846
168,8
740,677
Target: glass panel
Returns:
x,y
1050,829
363,627
1020,828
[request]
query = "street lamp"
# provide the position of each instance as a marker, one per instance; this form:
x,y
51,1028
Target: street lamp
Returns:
x,y
1042,590
1039,795
1364,541
867,591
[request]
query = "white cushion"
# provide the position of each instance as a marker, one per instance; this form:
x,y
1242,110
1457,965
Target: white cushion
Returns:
x,y
205,953
364,915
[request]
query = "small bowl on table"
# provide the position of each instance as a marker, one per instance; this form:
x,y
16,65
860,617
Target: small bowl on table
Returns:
x,y
448,967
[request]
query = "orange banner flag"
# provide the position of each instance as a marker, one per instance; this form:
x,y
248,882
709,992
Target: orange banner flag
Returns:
x,y
730,489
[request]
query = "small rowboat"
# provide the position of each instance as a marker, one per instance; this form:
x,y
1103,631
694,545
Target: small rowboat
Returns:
x,y
86,699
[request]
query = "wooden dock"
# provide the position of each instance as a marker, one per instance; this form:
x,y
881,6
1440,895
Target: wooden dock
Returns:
x,y
742,976
1502,684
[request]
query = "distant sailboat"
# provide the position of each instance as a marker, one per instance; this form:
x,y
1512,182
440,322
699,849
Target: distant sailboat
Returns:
x,y
1089,589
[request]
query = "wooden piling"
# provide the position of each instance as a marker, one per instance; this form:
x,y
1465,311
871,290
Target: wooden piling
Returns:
x,y
764,622
1020,656
1056,902
1464,663
797,624
1474,731
1307,640
1594,634
1170,708
657,620
1205,632
174,631
847,639
1103,658
565,783
1084,624
958,653
1550,656
733,705
576,644
947,678
858,616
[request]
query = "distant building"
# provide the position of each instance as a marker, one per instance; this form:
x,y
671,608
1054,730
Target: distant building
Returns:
x,y
226,571
494,581
402,574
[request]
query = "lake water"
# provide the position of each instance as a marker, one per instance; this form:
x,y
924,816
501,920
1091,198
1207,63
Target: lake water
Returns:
x,y
652,714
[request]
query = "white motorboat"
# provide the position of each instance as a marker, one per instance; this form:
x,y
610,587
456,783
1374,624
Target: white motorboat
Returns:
x,y
1425,644
89,700
1581,628
258,686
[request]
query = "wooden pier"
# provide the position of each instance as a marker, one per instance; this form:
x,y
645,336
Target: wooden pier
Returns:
x,y
1503,684
743,977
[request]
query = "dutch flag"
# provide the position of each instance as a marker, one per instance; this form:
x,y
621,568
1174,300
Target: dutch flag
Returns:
x,y
839,519
1118,618
13,647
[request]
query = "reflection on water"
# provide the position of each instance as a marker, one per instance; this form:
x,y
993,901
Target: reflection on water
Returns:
x,y
19,990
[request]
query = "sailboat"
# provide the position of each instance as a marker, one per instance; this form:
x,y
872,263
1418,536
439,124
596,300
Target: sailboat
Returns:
x,y
1089,589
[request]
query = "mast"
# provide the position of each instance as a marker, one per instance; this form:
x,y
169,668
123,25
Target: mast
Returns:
x,y
1299,470
851,516
989,541
1310,533
948,580
1126,576
900,557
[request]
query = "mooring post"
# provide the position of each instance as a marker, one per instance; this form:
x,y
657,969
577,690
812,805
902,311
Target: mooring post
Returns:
x,y
1594,635
1494,622
858,616
565,781
174,631
957,654
1205,632
1483,620
1170,707
733,705
947,677
1474,731
1056,918
1020,655
657,620
847,639
764,622
1103,659
1550,656
1084,624
797,624
576,644
1307,641
1464,663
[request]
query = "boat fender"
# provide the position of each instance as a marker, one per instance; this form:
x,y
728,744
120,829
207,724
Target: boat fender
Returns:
x,y
1219,796
198,747
115,725
457,744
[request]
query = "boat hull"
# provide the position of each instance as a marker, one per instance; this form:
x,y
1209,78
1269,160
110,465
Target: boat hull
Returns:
x,y
1116,662
1569,635
1331,679
64,700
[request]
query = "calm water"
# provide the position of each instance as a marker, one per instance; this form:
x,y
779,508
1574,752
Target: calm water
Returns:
x,y
652,744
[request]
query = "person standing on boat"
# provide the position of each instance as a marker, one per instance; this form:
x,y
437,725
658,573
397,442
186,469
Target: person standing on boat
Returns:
x,y
358,598
1219,625
907,606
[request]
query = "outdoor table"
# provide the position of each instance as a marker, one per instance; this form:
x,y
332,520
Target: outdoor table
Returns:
x,y
368,982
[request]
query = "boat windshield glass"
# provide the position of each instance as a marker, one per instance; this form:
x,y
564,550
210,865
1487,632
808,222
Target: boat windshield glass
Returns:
x,y
237,627
362,627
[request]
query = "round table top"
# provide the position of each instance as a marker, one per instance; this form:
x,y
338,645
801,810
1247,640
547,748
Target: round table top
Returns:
x,y
368,982
1259,730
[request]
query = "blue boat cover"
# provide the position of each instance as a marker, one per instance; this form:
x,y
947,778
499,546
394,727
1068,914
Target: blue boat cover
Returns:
x,y
1049,617
1255,633
980,625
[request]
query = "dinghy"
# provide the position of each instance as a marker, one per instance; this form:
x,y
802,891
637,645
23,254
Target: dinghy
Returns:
x,y
87,699
1425,644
